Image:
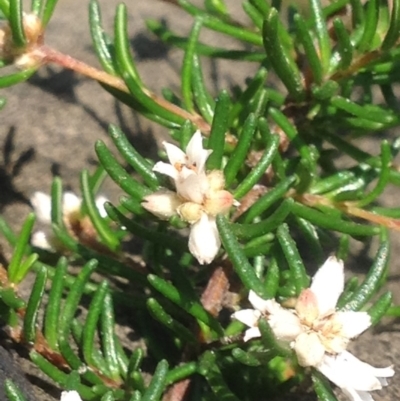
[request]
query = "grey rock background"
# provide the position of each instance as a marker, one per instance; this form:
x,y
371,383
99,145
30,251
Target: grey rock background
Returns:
x,y
55,118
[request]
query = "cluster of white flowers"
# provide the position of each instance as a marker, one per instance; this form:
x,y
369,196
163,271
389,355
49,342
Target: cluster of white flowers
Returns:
x,y
71,209
199,196
319,334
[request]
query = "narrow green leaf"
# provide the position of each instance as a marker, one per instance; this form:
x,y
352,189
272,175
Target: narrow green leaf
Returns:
x,y
119,174
181,372
25,267
271,282
5,8
12,391
240,263
278,56
20,248
322,33
129,71
54,304
10,298
110,343
253,14
186,73
322,387
268,199
386,163
345,47
60,377
36,7
238,156
393,32
92,358
16,23
133,157
157,384
219,127
107,236
16,78
191,306
204,101
159,313
246,358
380,307
48,11
32,308
311,54
101,42
260,169
326,221
251,230
372,281
370,26
297,268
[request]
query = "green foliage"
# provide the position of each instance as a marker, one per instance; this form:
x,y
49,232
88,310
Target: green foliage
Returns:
x,y
279,139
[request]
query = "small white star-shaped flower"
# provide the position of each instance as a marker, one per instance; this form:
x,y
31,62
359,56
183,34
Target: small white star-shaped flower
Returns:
x,y
199,196
319,334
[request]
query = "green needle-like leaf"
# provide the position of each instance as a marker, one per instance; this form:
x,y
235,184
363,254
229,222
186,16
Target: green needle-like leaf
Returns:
x,y
278,56
259,170
133,157
32,308
112,350
322,387
370,26
14,273
393,33
345,47
240,263
219,128
373,280
36,7
12,391
186,74
322,33
380,307
309,49
106,235
101,43
119,174
48,11
54,304
90,329
297,268
238,157
271,343
157,384
16,24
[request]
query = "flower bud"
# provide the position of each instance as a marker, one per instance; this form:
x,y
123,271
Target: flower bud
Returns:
x,y
216,180
218,202
190,212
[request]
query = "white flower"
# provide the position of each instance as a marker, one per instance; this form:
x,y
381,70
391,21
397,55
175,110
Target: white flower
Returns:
x,y
319,334
199,196
71,209
70,396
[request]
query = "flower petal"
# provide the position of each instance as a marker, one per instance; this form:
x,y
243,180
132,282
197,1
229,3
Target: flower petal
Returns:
x,y
253,332
204,241
197,155
166,169
175,155
328,284
353,323
162,204
285,325
70,396
263,305
41,203
192,187
309,349
346,371
40,240
249,317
